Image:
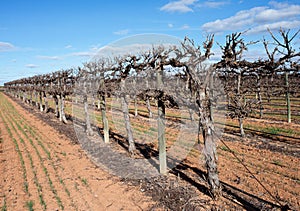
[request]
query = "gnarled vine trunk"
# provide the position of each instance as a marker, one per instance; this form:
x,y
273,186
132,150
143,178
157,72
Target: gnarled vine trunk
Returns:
x,y
88,127
55,97
46,102
124,102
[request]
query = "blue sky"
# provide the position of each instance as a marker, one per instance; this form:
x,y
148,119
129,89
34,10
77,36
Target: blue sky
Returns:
x,y
40,36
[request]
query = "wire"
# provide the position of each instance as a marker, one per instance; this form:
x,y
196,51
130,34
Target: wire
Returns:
x,y
244,165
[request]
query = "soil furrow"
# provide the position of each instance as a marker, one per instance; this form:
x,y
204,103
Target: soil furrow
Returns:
x,y
86,184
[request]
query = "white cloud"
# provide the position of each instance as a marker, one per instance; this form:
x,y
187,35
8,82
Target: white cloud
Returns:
x,y
274,26
182,6
122,32
48,57
68,46
6,46
258,19
31,66
278,14
239,20
278,4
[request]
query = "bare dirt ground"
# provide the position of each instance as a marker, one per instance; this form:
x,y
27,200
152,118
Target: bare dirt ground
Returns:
x,y
272,160
42,169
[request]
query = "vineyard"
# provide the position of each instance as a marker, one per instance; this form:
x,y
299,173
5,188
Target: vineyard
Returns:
x,y
186,132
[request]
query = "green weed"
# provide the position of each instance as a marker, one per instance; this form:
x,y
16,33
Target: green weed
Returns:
x,y
277,163
84,181
29,205
275,130
4,208
224,148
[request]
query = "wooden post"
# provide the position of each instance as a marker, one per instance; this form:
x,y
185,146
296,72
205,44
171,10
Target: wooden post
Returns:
x,y
104,118
88,128
241,127
161,125
288,101
41,101
64,119
258,95
239,104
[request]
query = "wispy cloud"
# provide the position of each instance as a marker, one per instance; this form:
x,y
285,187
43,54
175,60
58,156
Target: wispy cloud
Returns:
x,y
258,19
84,54
91,52
122,32
115,51
48,57
182,6
170,25
68,46
6,46
185,26
31,66
213,4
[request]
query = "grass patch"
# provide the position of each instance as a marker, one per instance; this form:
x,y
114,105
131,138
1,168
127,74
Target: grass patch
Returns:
x,y
272,130
275,130
29,205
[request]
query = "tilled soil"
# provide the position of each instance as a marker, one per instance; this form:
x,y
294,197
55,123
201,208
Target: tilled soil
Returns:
x,y
42,169
185,187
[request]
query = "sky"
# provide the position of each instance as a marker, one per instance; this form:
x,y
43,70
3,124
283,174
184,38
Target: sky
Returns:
x,y
42,36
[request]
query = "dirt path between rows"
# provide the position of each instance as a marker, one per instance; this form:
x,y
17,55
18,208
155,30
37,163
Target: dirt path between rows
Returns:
x,y
43,170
